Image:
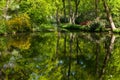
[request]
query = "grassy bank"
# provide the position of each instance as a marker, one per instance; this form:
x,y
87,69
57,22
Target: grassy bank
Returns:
x,y
89,28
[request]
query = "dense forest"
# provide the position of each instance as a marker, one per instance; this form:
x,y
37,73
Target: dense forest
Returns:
x,y
36,15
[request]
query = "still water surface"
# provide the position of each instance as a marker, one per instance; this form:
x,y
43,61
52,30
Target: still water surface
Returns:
x,y
60,56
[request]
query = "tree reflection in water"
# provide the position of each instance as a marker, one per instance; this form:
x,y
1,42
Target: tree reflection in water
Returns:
x,y
60,56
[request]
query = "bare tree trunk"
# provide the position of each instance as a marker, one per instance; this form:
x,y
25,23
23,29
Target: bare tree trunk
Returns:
x,y
6,9
96,8
109,15
57,44
57,16
70,55
77,48
107,56
70,11
97,57
77,2
76,11
65,39
64,9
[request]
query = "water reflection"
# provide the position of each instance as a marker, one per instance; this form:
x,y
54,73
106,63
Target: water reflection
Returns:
x,y
60,56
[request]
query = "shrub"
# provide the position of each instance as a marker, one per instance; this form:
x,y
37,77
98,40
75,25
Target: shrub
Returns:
x,y
19,23
3,28
21,42
78,20
97,26
75,27
85,16
64,20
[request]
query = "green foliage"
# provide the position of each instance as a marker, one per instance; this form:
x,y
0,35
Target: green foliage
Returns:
x,y
86,10
75,27
45,11
113,67
115,11
39,10
78,20
2,4
49,55
3,28
64,20
97,26
19,23
117,23
116,30
22,43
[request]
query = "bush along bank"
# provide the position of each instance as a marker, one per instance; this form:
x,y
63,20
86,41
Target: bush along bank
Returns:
x,y
22,23
90,26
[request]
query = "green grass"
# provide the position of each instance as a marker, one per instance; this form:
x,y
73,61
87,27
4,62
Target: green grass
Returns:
x,y
72,27
89,28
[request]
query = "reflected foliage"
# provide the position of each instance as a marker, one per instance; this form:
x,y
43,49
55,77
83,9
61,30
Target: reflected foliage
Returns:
x,y
60,56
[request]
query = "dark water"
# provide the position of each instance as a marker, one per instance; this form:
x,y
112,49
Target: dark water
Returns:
x,y
60,56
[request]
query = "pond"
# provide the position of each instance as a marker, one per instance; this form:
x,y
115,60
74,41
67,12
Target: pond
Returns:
x,y
60,56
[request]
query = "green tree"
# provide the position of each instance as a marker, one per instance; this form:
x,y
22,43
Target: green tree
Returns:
x,y
109,15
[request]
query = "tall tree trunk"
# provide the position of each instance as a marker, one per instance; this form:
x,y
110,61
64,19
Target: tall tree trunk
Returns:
x,y
65,39
76,10
109,15
107,56
77,2
70,55
97,57
96,8
6,9
70,11
57,44
57,16
64,9
77,48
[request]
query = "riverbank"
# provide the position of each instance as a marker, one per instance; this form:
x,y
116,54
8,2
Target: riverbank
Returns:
x,y
88,28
